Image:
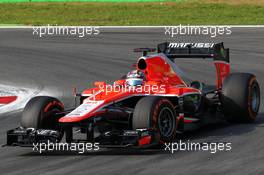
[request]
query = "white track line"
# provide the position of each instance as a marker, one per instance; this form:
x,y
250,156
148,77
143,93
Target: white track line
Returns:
x,y
123,27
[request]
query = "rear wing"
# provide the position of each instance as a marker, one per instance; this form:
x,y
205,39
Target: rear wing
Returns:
x,y
195,50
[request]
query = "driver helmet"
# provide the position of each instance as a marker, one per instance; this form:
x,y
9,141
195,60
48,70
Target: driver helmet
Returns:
x,y
135,78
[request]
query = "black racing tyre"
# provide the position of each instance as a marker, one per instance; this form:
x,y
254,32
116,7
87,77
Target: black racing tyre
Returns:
x,y
39,113
157,113
240,97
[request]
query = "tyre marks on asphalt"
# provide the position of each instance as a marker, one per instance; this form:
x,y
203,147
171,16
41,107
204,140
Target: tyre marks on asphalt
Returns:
x,y
15,98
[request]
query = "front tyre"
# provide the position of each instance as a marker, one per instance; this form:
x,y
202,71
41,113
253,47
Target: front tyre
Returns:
x,y
240,97
157,113
40,113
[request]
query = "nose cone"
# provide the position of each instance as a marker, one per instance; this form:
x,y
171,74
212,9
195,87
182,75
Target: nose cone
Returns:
x,y
83,111
70,120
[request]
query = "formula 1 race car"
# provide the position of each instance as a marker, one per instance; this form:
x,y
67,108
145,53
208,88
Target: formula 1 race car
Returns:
x,y
148,106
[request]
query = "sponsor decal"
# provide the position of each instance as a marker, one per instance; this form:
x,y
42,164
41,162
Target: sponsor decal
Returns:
x,y
192,45
85,108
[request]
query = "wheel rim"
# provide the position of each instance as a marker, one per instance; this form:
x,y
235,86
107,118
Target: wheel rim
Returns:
x,y
255,98
166,122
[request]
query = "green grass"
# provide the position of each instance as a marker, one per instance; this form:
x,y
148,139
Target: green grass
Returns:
x,y
12,1
159,13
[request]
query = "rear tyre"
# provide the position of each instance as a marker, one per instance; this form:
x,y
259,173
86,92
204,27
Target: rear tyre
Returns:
x,y
240,97
157,113
39,113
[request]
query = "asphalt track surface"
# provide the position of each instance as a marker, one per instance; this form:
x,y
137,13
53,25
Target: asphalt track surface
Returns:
x,y
60,63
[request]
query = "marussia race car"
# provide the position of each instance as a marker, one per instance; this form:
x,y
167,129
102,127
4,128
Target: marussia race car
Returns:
x,y
148,106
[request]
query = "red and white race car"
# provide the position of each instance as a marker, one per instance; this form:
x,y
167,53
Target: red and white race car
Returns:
x,y
150,105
